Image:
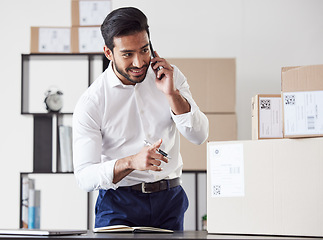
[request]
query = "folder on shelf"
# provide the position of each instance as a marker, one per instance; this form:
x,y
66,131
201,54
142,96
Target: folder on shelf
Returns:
x,y
65,146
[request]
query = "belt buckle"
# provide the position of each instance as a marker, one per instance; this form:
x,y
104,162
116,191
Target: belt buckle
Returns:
x,y
143,188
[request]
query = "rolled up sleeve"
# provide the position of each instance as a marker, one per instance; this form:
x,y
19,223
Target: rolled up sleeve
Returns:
x,y
194,125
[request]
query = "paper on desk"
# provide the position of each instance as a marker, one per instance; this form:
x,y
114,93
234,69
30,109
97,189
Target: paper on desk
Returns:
x,y
226,170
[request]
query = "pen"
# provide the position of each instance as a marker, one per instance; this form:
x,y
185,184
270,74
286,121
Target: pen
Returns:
x,y
158,150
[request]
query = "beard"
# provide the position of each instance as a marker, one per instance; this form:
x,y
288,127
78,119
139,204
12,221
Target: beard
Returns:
x,y
135,80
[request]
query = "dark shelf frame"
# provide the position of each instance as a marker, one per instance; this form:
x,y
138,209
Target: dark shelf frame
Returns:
x,y
25,59
196,177
44,122
22,174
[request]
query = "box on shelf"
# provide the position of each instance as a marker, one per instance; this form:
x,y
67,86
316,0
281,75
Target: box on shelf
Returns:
x,y
266,187
222,127
66,40
266,116
212,82
302,94
50,40
87,40
89,12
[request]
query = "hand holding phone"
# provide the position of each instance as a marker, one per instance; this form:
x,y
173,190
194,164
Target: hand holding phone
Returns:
x,y
154,55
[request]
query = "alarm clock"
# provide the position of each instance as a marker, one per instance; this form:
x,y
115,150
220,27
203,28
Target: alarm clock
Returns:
x,y
53,100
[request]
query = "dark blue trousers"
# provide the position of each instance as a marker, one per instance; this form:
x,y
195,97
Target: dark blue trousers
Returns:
x,y
164,209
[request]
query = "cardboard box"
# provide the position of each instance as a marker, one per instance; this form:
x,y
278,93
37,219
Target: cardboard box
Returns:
x,y
87,40
266,187
50,40
302,93
66,40
222,127
212,82
266,116
89,12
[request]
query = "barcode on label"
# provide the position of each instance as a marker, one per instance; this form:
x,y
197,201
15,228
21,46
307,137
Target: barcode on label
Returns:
x,y
234,170
289,99
216,190
265,104
310,123
95,6
54,36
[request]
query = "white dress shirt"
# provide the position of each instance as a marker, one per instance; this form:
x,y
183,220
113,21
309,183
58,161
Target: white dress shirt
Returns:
x,y
111,121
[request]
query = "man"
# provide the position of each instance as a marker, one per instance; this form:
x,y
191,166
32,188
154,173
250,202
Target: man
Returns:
x,y
129,103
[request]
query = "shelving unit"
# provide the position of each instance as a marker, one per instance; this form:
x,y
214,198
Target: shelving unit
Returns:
x,y
45,124
195,189
60,199
25,71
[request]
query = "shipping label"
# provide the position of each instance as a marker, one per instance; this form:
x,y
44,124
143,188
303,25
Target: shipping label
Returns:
x,y
303,113
270,117
226,170
90,39
53,40
93,12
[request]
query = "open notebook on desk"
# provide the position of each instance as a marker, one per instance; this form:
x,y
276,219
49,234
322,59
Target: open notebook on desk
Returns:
x,y
124,228
41,232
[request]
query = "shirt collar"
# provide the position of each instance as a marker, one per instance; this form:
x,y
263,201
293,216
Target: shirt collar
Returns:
x,y
112,77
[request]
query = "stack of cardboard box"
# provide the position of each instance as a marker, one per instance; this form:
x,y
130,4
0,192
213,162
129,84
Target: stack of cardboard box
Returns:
x,y
84,36
273,186
213,86
297,111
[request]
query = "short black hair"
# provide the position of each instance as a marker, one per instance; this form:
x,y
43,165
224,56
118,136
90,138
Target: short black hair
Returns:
x,y
122,22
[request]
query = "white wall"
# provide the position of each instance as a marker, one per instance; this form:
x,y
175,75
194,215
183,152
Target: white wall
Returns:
x,y
262,35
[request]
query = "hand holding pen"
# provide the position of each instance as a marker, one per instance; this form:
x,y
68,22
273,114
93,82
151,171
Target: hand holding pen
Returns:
x,y
158,150
148,158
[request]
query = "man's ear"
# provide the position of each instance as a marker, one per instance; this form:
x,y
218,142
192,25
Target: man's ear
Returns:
x,y
107,52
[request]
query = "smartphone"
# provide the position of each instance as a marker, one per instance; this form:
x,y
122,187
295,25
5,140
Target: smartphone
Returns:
x,y
154,55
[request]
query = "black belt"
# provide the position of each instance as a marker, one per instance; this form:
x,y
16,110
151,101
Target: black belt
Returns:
x,y
156,186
